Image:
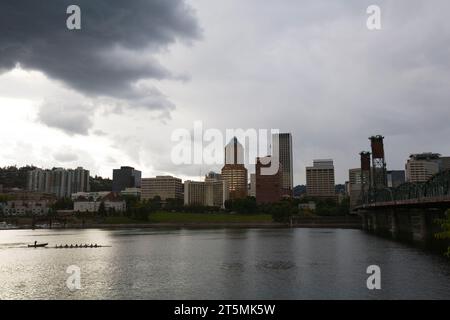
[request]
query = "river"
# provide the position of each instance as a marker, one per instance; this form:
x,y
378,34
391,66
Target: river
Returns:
x,y
217,264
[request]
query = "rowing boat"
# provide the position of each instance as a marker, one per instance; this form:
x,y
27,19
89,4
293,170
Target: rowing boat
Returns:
x,y
37,245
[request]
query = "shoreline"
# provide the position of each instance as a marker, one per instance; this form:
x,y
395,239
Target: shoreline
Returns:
x,y
204,225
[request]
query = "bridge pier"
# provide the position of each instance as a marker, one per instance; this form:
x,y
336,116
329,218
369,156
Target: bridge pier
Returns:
x,y
413,225
393,224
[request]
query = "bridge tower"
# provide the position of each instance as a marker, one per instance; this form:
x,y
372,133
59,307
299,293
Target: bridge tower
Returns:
x,y
365,175
379,176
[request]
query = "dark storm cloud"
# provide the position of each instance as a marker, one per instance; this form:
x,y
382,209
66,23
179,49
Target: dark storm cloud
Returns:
x,y
109,55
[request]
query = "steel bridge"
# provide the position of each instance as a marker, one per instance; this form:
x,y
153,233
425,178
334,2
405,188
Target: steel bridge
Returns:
x,y
410,211
435,193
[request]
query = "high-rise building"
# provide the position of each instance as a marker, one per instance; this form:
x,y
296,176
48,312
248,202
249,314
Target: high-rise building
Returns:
x,y
194,193
58,181
395,178
216,193
234,152
320,179
268,186
234,171
421,167
252,189
125,177
445,163
166,187
356,177
213,176
284,143
212,192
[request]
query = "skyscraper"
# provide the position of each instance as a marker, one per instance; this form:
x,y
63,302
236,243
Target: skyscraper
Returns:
x,y
211,193
268,187
356,179
320,180
58,181
284,144
395,178
125,177
166,187
234,152
421,167
234,171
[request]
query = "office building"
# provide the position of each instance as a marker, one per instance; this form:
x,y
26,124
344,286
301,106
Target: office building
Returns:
x,y
111,201
211,193
194,193
252,186
234,152
125,177
58,181
421,167
216,193
234,171
213,176
395,178
165,187
284,144
26,207
269,187
132,192
320,180
355,187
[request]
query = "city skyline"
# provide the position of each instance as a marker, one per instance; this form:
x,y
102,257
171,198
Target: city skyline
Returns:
x,y
317,93
251,167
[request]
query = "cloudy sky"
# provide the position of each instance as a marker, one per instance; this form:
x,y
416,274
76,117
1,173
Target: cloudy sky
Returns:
x,y
112,93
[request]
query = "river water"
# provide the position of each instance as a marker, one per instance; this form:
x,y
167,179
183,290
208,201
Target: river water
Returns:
x,y
217,264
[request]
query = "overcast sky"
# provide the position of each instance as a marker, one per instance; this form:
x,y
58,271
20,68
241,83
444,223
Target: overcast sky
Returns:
x,y
112,93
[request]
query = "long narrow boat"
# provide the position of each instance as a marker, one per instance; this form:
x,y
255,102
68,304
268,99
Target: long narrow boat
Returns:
x,y
37,245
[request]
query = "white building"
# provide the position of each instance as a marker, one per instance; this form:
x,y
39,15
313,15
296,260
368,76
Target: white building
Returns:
x,y
212,193
90,196
58,181
421,167
93,206
26,207
111,201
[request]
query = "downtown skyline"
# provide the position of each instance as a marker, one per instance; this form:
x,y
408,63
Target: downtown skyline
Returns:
x,y
326,79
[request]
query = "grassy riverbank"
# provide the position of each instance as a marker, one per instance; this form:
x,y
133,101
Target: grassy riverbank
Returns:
x,y
181,217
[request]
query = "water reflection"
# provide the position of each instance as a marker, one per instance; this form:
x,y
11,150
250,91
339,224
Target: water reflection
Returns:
x,y
217,264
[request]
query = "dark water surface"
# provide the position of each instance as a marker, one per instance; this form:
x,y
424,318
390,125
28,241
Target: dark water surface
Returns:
x,y
218,264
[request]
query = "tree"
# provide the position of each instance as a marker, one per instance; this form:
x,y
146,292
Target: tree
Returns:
x,y
63,204
102,209
13,177
245,206
228,204
445,233
98,183
174,204
282,211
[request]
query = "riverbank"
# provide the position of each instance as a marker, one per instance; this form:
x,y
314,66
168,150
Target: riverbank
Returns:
x,y
203,221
